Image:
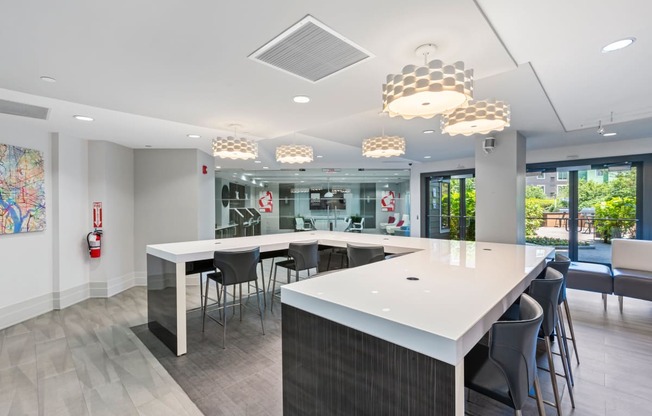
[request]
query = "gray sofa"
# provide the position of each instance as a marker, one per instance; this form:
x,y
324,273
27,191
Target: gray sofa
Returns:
x,y
631,262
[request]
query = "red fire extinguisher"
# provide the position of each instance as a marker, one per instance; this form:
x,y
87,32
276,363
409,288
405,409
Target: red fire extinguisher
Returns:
x,y
94,240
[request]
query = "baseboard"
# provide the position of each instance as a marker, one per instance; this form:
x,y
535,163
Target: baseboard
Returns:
x,y
22,311
113,286
140,278
70,296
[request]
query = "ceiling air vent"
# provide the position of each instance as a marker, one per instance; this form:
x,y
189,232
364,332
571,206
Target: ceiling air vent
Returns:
x,y
310,50
24,110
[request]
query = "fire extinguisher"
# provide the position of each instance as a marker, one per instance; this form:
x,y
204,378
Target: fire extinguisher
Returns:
x,y
94,240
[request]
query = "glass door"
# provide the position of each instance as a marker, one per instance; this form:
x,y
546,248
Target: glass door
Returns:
x,y
579,209
450,211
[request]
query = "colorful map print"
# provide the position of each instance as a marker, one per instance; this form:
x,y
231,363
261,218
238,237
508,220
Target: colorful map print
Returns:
x,y
22,190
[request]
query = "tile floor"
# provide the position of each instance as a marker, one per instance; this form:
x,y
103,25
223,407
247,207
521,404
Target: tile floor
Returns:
x,y
86,360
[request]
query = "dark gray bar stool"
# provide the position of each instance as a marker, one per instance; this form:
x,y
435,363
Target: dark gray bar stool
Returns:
x,y
506,370
233,268
302,256
561,263
361,255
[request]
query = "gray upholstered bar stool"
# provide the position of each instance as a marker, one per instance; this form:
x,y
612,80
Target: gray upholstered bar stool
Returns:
x,y
301,256
546,292
361,255
562,263
506,370
233,268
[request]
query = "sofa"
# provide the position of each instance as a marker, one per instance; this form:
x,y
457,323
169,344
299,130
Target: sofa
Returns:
x,y
631,264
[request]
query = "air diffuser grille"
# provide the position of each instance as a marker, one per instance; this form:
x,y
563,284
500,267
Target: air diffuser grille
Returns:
x,y
310,50
24,110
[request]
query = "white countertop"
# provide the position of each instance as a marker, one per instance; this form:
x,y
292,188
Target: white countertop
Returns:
x,y
463,287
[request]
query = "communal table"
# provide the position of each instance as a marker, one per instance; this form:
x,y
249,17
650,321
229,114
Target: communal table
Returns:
x,y
385,338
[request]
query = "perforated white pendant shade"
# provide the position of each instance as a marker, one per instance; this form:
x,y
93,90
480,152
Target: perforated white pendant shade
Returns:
x,y
383,146
294,153
235,148
479,117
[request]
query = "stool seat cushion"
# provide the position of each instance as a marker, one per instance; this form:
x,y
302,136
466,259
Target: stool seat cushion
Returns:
x,y
590,276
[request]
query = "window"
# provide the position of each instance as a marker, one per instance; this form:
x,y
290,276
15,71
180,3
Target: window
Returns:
x,y
562,176
541,176
543,188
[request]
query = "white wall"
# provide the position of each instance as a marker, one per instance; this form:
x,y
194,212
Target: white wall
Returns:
x,y
70,223
111,181
26,277
500,190
168,187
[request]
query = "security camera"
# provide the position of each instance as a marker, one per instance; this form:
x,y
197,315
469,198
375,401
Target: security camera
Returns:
x,y
410,164
488,145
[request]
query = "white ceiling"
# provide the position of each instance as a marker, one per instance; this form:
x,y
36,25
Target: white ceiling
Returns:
x,y
152,71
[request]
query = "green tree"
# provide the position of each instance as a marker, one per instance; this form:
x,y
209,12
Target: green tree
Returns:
x,y
533,191
533,215
615,217
591,193
623,184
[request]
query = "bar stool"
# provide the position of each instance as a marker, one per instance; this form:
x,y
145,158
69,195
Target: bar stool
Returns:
x,y
506,369
561,263
546,292
361,255
302,256
233,268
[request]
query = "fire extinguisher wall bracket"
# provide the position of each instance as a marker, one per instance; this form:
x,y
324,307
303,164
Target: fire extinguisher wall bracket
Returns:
x,y
94,240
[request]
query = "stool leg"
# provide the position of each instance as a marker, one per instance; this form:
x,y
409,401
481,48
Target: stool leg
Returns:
x,y
260,310
273,288
240,301
572,331
564,341
567,370
538,396
224,319
553,375
620,303
203,315
201,290
262,272
604,300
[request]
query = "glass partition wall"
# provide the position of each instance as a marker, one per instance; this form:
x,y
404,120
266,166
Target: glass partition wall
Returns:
x,y
450,209
348,200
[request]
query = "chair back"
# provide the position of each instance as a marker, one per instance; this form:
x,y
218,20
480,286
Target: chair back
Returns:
x,y
546,292
305,255
361,255
561,263
237,266
512,347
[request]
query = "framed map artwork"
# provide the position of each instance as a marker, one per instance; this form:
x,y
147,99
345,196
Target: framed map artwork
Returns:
x,y
22,190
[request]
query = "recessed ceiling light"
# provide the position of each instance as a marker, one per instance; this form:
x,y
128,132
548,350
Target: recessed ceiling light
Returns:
x,y
48,79
427,157
319,156
301,99
265,167
194,136
609,134
218,167
296,174
83,118
619,44
257,161
428,131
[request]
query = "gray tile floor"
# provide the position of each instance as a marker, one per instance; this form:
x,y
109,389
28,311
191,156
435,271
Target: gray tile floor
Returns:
x,y
86,360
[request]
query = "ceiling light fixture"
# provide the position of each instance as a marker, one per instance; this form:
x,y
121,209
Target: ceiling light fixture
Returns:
x,y
609,134
480,117
194,136
383,146
257,161
429,90
48,79
294,153
235,147
428,131
619,44
301,99
83,118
